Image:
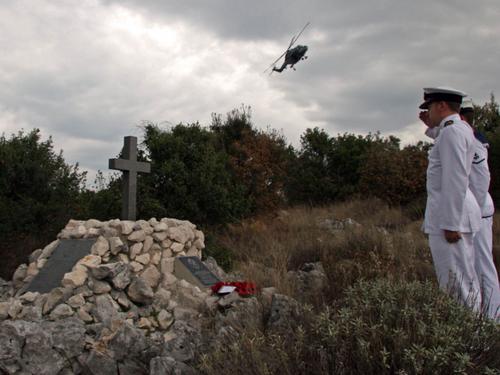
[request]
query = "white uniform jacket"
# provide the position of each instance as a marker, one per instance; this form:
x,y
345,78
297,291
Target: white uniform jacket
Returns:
x,y
480,177
450,203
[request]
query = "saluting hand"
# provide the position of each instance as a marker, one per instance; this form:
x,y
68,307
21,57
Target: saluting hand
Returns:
x,y
452,236
424,117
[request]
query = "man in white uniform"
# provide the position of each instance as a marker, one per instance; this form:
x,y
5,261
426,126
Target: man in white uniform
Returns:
x,y
452,215
483,240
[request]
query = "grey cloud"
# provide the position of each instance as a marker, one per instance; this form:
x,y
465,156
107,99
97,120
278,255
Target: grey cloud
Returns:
x,y
75,70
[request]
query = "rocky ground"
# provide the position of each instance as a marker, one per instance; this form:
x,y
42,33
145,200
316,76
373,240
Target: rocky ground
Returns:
x,y
122,311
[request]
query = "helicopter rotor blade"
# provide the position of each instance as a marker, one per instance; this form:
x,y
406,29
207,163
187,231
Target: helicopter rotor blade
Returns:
x,y
294,39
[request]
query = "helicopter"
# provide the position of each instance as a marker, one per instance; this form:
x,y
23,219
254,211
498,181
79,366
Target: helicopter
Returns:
x,y
292,55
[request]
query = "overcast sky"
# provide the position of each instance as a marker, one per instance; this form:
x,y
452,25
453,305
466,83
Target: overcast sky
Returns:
x,y
89,72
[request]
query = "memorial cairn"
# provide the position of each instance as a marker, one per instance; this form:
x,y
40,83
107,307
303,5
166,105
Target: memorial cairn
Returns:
x,y
119,297
118,309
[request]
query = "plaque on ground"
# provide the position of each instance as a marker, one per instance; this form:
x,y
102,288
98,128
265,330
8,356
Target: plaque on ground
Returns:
x,y
194,271
62,260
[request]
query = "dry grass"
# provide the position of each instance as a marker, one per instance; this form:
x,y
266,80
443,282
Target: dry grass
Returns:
x,y
381,311
386,243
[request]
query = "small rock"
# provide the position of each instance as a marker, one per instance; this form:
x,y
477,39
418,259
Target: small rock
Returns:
x,y
126,227
177,247
100,247
85,316
137,236
136,267
139,291
151,276
148,242
99,287
61,311
29,296
135,250
121,280
76,301
165,319
35,255
116,245
90,260
75,278
143,259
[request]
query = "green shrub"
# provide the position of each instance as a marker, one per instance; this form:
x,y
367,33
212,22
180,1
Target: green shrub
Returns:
x,y
413,328
218,251
380,327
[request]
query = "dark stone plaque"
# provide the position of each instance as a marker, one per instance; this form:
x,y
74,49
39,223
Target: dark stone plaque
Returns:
x,y
193,270
62,260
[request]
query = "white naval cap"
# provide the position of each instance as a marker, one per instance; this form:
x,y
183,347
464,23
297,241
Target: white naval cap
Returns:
x,y
437,94
467,106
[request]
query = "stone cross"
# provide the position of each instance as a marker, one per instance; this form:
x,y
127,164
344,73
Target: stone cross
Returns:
x,y
130,167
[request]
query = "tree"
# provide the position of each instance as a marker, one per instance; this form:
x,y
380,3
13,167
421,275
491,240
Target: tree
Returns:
x,y
190,177
396,176
39,192
309,180
258,159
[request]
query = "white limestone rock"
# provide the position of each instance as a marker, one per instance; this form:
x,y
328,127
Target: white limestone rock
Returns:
x,y
75,278
49,249
93,232
136,267
160,227
108,231
114,223
166,243
40,263
61,311
100,247
116,245
167,253
165,319
180,234
35,255
159,236
32,269
99,287
19,275
137,236
148,242
76,301
126,227
155,257
85,316
144,323
55,297
93,223
167,265
151,276
135,250
143,259
177,247
4,310
168,280
90,261
29,297
123,258
15,308
139,291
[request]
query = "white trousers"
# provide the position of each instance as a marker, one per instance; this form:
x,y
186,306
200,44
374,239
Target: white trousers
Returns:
x,y
454,265
485,269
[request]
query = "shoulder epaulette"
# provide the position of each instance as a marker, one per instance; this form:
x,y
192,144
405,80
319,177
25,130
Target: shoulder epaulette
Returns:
x,y
449,122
